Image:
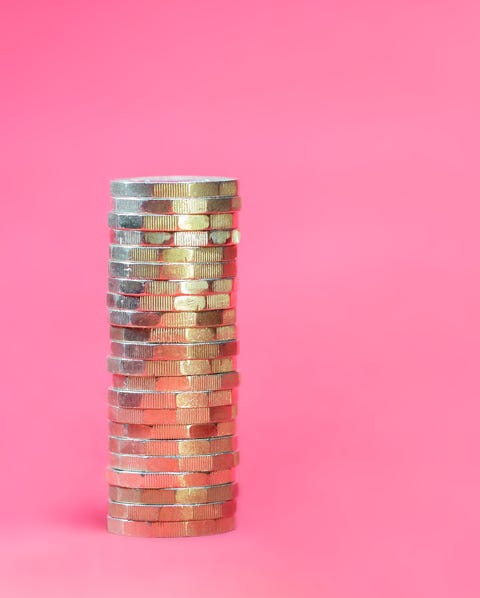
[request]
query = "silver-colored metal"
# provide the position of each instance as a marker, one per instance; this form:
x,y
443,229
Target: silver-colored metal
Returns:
x,y
172,223
175,351
177,255
168,319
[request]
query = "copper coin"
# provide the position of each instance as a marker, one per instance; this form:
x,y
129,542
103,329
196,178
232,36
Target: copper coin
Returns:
x,y
172,416
174,335
140,512
206,446
172,432
172,400
177,463
143,479
170,529
171,496
206,382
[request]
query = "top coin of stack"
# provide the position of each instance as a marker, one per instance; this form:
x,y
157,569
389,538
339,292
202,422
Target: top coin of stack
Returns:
x,y
173,400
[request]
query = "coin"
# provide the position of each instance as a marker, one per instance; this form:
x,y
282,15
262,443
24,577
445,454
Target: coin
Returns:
x,y
173,335
172,400
172,416
169,319
140,512
206,382
198,205
168,367
169,303
127,286
174,186
170,529
170,496
146,479
203,446
172,223
170,432
124,253
167,271
169,464
175,351
175,239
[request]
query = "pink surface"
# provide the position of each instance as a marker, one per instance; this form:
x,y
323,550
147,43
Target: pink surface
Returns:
x,y
354,129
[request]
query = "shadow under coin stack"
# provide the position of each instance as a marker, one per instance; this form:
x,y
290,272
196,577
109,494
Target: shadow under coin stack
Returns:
x,y
173,400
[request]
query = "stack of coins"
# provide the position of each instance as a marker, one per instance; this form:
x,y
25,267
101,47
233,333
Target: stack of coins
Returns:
x,y
173,400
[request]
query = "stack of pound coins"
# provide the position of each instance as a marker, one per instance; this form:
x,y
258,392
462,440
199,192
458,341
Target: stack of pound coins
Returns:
x,y
173,400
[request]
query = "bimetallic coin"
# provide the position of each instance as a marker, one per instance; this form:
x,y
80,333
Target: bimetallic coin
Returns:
x,y
173,335
206,382
167,367
170,432
170,529
122,253
141,512
126,286
175,239
149,417
171,303
204,446
170,464
172,496
172,271
174,186
172,223
172,400
146,479
170,319
199,205
177,351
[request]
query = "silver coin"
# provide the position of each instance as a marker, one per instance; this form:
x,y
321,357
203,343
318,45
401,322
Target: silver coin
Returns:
x,y
174,186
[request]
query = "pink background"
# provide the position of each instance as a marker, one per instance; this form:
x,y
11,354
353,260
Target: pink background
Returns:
x,y
354,129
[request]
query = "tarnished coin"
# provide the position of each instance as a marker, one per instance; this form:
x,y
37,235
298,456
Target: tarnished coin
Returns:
x,y
171,303
170,529
172,432
145,479
173,335
141,512
172,270
168,367
122,253
198,205
175,239
173,416
203,446
174,186
206,382
170,319
172,496
126,286
170,464
171,400
172,223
